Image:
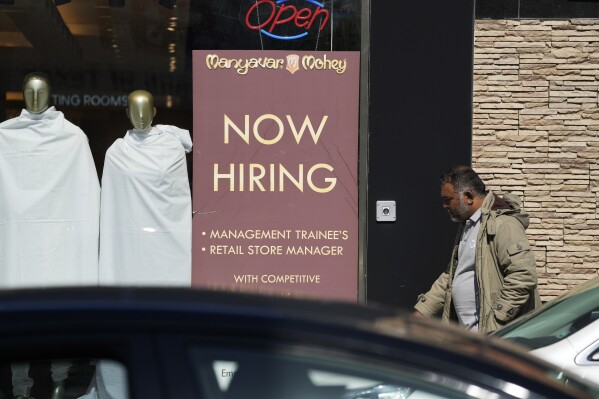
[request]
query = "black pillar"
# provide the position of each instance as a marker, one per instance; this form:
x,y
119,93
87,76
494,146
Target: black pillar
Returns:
x,y
420,125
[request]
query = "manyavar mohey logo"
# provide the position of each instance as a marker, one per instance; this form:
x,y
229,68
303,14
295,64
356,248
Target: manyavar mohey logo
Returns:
x,y
285,21
294,63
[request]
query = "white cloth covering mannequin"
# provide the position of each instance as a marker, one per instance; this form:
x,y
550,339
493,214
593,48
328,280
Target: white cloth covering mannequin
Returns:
x,y
49,198
50,204
145,227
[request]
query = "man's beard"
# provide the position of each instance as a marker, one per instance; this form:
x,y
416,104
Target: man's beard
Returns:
x,y
461,212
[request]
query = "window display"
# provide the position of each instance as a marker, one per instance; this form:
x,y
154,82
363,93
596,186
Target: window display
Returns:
x,y
95,53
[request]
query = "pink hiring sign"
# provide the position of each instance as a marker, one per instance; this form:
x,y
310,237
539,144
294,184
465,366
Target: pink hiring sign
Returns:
x,y
275,191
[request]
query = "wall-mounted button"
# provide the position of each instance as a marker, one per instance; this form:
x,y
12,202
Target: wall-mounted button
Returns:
x,y
385,211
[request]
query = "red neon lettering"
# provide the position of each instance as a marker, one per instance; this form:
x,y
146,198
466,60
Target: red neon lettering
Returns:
x,y
255,6
279,21
299,17
303,18
324,22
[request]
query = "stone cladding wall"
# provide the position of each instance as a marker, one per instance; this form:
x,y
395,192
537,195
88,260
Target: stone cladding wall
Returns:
x,y
535,134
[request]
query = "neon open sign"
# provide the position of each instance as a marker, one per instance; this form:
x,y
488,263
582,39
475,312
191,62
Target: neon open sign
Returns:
x,y
286,17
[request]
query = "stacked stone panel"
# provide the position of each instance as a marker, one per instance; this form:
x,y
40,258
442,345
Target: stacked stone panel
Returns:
x,y
535,134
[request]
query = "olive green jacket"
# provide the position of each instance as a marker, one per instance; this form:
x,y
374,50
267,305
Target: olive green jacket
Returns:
x,y
504,267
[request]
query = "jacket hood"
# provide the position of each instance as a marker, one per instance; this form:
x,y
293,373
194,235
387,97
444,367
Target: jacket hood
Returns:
x,y
509,204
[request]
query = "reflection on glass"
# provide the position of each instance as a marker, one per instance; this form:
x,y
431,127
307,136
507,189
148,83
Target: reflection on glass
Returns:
x,y
64,379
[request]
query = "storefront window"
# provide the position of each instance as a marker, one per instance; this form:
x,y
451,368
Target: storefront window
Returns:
x,y
96,148
95,52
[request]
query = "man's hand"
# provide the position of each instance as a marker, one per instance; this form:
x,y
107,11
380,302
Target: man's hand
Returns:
x,y
417,314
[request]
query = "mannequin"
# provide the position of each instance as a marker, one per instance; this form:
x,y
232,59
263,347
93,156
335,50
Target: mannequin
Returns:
x,y
49,223
145,228
145,225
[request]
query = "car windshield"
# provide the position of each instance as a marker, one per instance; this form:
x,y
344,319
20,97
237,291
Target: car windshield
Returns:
x,y
556,320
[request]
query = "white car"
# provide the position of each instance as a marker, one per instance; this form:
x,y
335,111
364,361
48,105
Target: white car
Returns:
x,y
564,331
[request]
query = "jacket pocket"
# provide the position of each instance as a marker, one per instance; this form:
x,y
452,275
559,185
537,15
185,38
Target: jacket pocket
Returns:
x,y
518,247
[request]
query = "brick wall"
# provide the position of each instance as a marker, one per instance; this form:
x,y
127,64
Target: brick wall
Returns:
x,y
535,134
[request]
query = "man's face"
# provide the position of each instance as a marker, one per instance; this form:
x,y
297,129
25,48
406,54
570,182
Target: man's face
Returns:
x,y
455,203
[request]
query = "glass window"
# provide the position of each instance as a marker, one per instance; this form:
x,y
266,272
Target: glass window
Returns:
x,y
87,58
96,52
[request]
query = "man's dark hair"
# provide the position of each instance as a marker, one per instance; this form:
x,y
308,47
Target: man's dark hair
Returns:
x,y
463,178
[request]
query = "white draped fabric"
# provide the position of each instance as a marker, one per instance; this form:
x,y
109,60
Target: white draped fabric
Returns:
x,y
145,228
49,203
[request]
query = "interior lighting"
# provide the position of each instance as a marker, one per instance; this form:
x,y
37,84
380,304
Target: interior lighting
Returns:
x,y
167,3
116,3
14,96
61,2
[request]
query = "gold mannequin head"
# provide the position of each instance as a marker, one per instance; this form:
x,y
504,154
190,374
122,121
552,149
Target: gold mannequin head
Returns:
x,y
140,109
36,92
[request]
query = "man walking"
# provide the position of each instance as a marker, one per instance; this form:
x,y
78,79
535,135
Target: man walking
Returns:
x,y
491,278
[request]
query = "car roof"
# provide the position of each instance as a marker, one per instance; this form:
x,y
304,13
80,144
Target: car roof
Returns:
x,y
129,306
171,310
93,302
